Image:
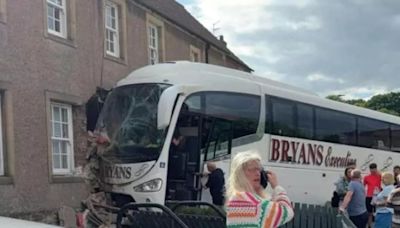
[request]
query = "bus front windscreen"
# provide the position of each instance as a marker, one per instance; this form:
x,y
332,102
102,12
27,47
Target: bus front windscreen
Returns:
x,y
129,122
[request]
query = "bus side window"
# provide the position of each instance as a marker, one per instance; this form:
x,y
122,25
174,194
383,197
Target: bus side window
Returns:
x,y
373,133
219,142
336,127
305,121
395,132
241,110
283,118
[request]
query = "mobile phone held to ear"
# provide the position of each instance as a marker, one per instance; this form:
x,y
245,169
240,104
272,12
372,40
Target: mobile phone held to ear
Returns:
x,y
263,178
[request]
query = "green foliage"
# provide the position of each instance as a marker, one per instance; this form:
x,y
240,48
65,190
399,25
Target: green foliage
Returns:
x,y
388,103
357,102
336,97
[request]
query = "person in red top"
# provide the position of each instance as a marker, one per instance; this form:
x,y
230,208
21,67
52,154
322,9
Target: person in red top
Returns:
x,y
372,182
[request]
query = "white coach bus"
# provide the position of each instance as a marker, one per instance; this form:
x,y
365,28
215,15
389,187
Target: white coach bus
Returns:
x,y
163,122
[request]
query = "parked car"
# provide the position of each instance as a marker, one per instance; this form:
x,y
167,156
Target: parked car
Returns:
x,y
6,222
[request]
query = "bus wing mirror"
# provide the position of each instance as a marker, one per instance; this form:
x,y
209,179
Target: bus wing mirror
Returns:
x,y
166,105
167,102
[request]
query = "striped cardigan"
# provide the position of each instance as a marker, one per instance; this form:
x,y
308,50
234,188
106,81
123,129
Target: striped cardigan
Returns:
x,y
248,210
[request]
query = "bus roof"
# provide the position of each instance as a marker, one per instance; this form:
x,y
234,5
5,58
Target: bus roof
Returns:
x,y
166,70
212,76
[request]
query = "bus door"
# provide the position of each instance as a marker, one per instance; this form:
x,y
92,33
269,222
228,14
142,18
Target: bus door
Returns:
x,y
183,181
197,138
219,140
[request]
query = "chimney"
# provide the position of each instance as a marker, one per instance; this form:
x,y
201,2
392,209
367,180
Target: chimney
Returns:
x,y
221,38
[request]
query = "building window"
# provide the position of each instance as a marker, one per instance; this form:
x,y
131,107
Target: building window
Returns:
x,y
57,18
153,44
62,138
2,162
155,39
194,54
3,11
112,29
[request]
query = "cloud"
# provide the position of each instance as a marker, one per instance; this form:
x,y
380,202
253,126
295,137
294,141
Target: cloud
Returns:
x,y
323,78
322,46
357,92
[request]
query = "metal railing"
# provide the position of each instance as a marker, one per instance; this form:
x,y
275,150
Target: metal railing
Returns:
x,y
136,206
345,221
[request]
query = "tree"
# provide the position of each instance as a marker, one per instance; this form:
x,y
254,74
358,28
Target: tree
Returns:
x,y
388,103
339,97
336,98
357,102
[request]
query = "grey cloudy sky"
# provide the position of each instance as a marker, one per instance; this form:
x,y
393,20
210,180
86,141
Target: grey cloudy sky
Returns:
x,y
327,46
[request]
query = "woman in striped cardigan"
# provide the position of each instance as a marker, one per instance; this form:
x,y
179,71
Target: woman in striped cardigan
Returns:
x,y
248,205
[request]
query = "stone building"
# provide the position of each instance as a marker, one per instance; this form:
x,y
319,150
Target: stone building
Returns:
x,y
53,55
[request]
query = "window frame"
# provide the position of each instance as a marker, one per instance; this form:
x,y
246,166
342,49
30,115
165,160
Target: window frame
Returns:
x,y
115,31
70,140
3,11
156,23
195,51
63,33
7,134
2,155
155,48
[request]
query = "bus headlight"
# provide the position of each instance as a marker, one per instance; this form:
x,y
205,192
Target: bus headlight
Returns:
x,y
149,186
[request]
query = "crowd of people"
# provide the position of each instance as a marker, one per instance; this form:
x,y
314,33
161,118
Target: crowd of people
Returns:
x,y
367,200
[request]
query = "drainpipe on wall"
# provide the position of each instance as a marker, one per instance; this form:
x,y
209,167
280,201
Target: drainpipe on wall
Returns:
x,y
207,48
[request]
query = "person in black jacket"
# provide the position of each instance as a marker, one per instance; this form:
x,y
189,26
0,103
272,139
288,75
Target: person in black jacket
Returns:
x,y
216,183
396,173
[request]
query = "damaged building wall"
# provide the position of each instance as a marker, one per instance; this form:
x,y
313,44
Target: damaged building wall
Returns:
x,y
37,68
33,63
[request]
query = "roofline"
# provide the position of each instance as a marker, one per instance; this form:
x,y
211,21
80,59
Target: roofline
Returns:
x,y
196,35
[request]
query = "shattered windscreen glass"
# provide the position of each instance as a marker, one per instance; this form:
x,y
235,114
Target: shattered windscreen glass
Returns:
x,y
129,121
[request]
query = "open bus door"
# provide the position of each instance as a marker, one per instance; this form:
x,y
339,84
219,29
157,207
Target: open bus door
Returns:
x,y
184,159
197,138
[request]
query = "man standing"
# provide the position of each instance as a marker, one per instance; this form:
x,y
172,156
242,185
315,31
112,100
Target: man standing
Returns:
x,y
396,172
216,183
354,201
372,182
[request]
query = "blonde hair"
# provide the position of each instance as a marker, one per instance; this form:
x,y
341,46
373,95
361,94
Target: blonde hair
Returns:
x,y
237,181
387,178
